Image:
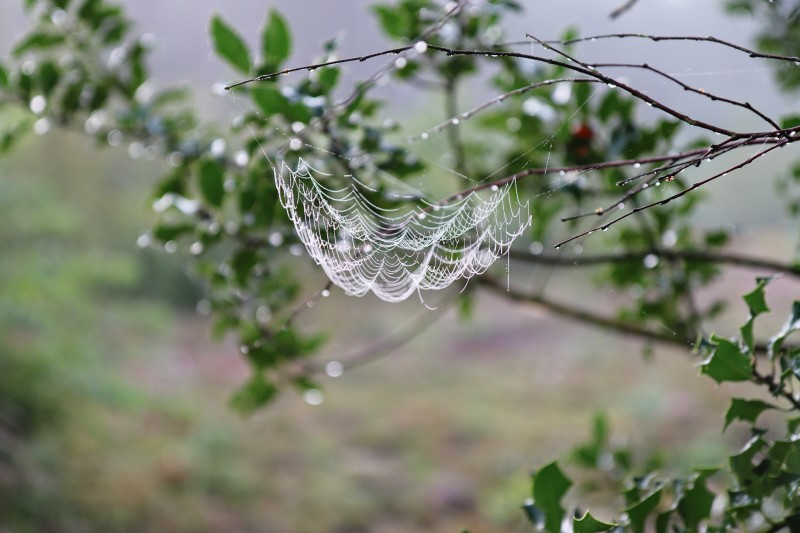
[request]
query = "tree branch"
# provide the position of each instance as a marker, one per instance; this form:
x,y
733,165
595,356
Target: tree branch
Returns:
x,y
593,319
637,256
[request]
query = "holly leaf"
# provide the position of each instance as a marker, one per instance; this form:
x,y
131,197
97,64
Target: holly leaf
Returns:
x,y
756,299
792,324
695,505
589,524
747,410
639,512
229,45
726,362
549,486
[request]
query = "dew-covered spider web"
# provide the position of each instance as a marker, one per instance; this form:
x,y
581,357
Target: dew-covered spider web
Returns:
x,y
397,252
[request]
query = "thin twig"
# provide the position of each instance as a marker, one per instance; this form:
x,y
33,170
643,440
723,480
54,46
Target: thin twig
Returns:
x,y
675,196
732,259
593,319
621,10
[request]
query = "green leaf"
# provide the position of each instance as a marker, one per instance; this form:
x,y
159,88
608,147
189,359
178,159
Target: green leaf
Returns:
x,y
549,486
695,505
391,20
748,337
790,121
38,40
272,102
747,410
638,513
726,362
269,99
589,524
276,40
256,393
741,464
211,180
169,232
3,78
663,520
756,300
791,325
229,45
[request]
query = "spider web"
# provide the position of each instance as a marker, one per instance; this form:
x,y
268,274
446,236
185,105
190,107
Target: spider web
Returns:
x,y
396,252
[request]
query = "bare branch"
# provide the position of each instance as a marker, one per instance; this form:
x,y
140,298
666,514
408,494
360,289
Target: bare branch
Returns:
x,y
677,195
723,258
621,10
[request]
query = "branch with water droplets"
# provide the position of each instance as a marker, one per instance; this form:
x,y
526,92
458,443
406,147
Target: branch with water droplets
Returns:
x,y
677,195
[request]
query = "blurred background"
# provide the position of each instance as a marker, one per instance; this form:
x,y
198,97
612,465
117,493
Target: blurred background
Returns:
x,y
124,395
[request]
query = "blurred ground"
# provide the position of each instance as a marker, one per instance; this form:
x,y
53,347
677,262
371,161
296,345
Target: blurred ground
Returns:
x,y
439,436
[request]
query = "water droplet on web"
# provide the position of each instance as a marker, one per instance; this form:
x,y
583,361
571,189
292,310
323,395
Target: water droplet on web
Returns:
x,y
325,293
421,216
494,188
645,185
424,135
313,397
620,205
295,144
637,165
196,248
455,122
400,63
334,369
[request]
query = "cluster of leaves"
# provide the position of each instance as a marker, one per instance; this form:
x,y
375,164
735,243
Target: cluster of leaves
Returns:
x,y
780,34
758,490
